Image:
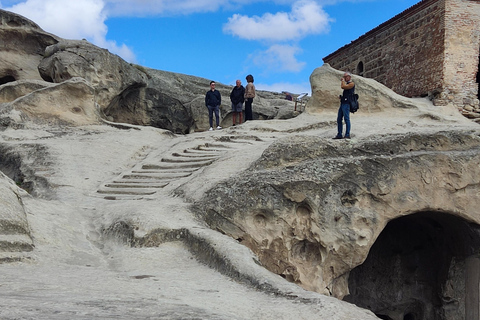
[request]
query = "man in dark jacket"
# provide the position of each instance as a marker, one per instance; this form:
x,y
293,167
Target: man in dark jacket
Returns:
x,y
237,98
213,99
344,111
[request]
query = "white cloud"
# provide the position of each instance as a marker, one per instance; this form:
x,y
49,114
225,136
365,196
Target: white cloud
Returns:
x,y
306,17
278,58
79,19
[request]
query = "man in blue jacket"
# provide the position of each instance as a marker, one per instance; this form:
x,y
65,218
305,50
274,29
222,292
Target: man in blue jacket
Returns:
x,y
344,111
213,99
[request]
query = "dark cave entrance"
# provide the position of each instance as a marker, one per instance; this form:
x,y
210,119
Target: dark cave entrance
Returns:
x,y
424,266
6,79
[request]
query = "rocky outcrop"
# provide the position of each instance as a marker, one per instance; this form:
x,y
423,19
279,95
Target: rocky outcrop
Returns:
x,y
15,235
190,92
16,89
123,92
387,221
374,97
109,74
22,44
68,103
312,209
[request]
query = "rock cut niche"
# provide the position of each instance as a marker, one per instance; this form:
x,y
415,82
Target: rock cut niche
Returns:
x,y
6,79
422,267
8,75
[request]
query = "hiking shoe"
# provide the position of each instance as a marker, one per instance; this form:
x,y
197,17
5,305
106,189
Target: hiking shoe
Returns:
x,y
347,137
211,129
218,128
337,137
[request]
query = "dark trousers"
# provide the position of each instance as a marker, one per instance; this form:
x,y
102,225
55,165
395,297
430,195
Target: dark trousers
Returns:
x,y
211,110
248,109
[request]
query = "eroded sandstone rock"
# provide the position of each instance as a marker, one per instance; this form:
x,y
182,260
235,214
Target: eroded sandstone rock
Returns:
x,y
374,97
109,74
16,89
22,44
14,228
311,209
124,92
68,103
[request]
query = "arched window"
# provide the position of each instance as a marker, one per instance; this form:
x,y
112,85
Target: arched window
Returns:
x,y
360,68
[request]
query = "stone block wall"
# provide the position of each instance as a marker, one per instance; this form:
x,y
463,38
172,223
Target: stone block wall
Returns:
x,y
404,53
462,44
430,49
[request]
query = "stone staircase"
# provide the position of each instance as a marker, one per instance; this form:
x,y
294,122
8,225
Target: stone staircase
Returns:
x,y
145,179
15,240
15,247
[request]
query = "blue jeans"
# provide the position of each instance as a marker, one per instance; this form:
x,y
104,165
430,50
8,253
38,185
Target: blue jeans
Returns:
x,y
211,110
343,112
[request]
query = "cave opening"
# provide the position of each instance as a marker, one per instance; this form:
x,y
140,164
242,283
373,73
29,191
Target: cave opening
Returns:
x,y
7,79
424,266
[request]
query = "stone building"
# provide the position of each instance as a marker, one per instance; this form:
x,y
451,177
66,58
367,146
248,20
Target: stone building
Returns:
x,y
430,49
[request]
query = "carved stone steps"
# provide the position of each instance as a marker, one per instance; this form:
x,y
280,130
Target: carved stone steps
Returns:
x,y
198,152
15,243
155,176
144,182
169,166
177,158
155,168
213,149
127,197
197,155
127,191
133,185
7,257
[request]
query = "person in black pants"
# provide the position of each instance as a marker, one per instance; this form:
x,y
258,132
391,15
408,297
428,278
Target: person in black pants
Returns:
x,y
249,95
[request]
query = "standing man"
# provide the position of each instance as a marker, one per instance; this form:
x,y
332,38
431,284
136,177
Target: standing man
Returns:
x,y
213,99
249,95
237,98
344,111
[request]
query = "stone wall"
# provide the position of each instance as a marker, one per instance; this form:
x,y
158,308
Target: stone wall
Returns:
x,y
462,43
430,49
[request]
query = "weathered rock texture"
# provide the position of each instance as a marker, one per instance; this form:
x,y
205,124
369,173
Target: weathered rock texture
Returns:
x,y
22,44
14,229
123,92
311,209
71,102
388,220
373,97
430,49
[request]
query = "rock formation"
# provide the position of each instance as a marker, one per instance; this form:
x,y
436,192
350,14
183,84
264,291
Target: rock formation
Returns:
x,y
109,210
123,92
14,229
22,45
319,206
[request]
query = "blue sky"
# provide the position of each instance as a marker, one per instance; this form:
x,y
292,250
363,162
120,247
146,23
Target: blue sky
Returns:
x,y
279,42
